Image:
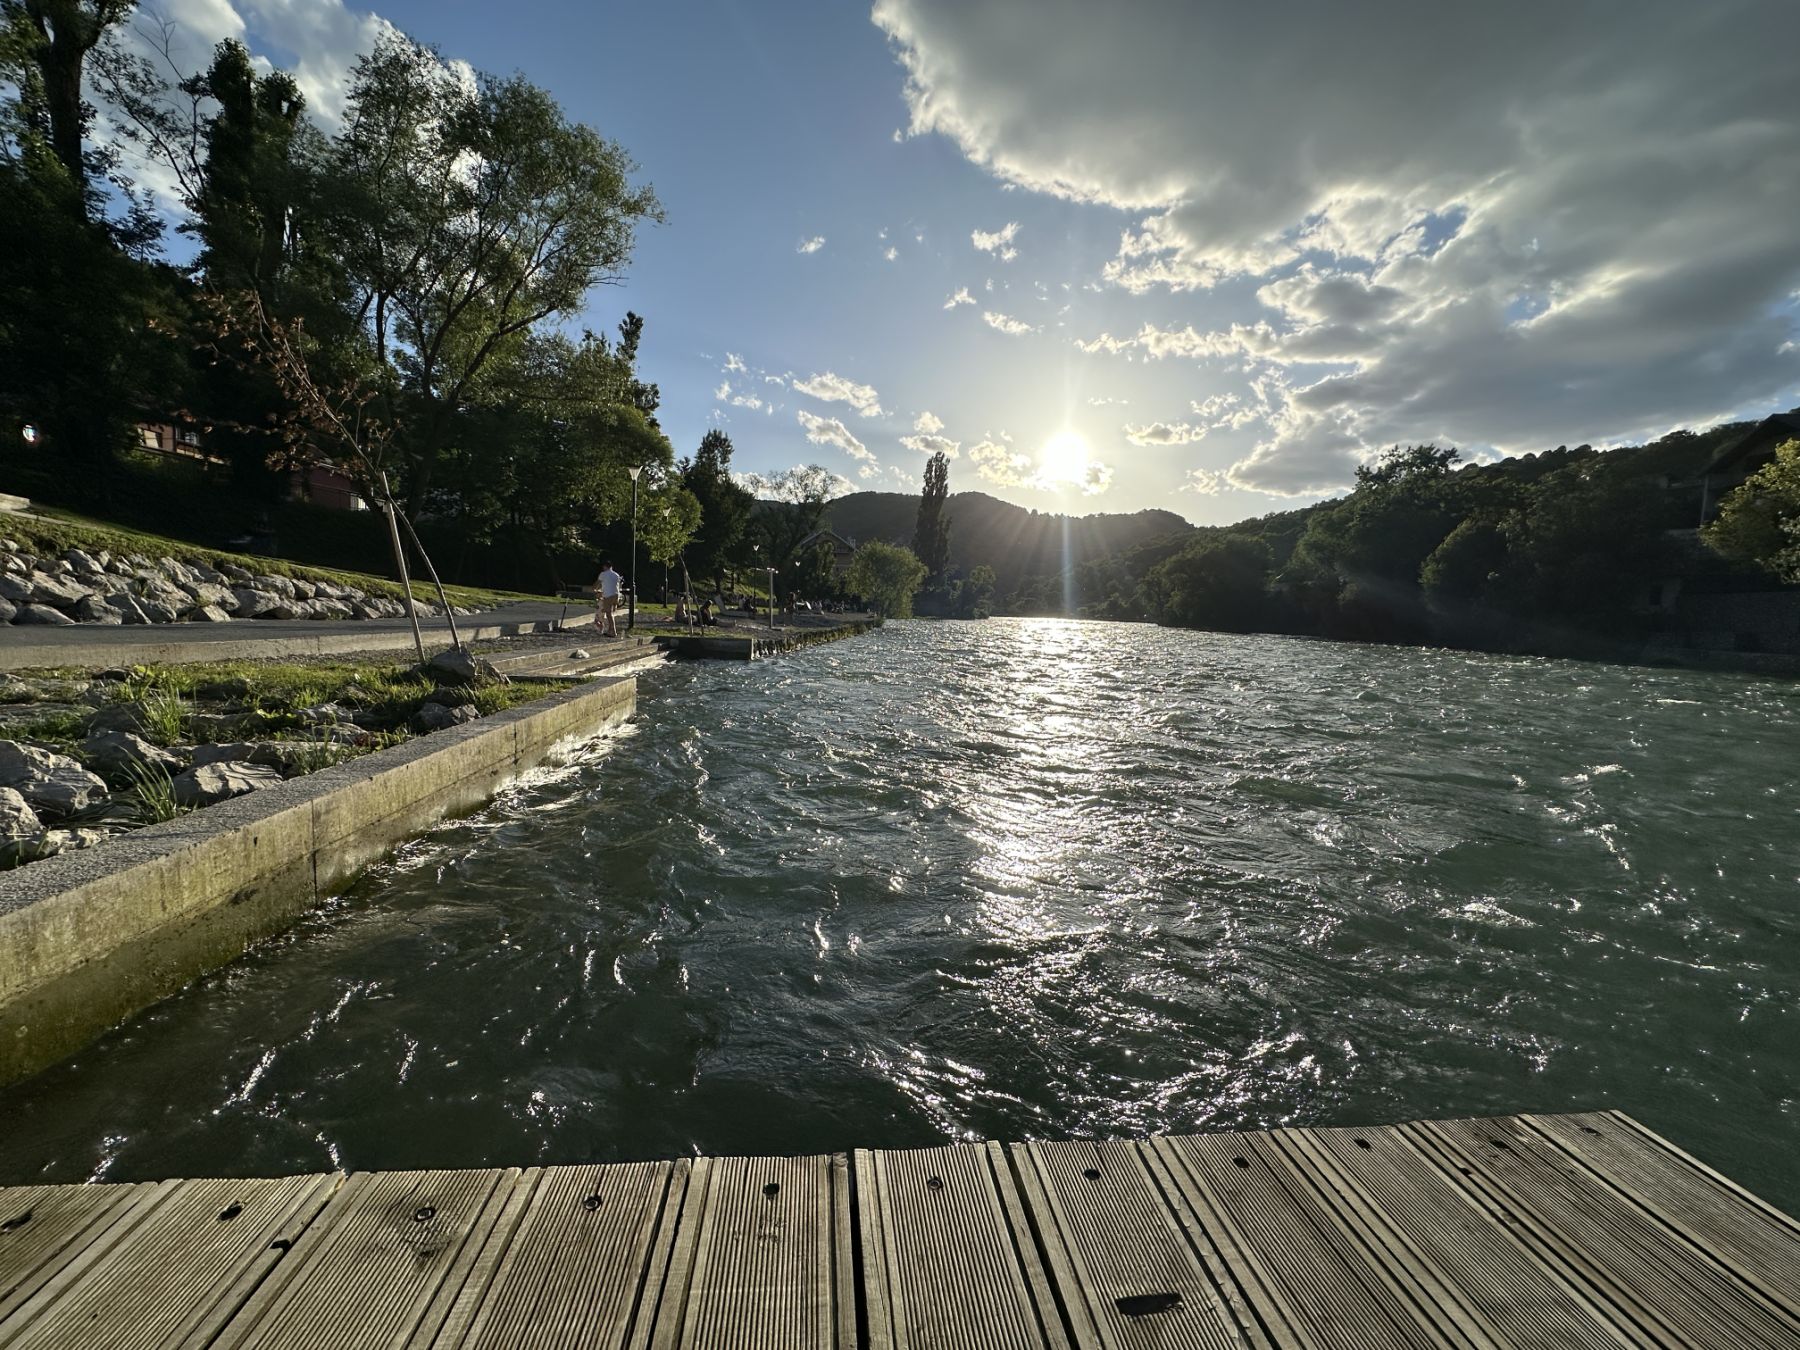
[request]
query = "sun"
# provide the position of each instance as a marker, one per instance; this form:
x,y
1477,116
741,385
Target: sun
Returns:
x,y
1064,459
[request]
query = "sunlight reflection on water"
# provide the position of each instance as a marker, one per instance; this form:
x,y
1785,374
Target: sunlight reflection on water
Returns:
x,y
1024,878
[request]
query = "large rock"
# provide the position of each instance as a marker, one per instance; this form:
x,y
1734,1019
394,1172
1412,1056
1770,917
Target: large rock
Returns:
x,y
117,717
457,666
282,610
254,603
92,609
7,611
224,754
15,586
208,614
290,757
62,592
130,611
83,564
120,753
54,784
43,614
206,784
158,612
17,819
441,716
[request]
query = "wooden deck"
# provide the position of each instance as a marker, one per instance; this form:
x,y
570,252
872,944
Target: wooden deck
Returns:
x,y
1528,1231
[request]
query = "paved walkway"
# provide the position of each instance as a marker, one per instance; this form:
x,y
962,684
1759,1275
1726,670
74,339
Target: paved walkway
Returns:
x,y
31,647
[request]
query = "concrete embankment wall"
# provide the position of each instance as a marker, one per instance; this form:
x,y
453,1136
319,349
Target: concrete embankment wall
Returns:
x,y
747,647
89,938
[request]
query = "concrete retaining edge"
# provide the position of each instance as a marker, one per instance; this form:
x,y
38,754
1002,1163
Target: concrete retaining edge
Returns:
x,y
87,939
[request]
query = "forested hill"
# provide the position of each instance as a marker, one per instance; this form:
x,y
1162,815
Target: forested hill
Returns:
x,y
1017,543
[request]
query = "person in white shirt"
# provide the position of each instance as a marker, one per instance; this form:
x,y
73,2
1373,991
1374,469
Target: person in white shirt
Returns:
x,y
607,588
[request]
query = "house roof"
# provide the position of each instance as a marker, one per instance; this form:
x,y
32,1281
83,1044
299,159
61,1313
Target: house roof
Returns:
x,y
1765,435
831,537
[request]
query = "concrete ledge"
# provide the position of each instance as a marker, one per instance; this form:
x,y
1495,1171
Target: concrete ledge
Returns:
x,y
749,646
89,938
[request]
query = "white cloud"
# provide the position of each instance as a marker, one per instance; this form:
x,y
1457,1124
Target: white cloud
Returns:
x,y
1000,464
962,297
929,444
812,245
999,242
1097,402
1206,482
734,362
1570,231
830,388
891,254
830,431
1165,433
928,422
724,389
1006,324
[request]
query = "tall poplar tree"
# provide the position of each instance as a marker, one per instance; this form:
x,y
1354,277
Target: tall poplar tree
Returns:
x,y
931,536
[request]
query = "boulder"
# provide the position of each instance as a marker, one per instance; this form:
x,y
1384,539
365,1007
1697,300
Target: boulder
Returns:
x,y
15,587
17,819
457,666
208,614
43,614
120,753
116,717
282,609
130,611
205,784
330,609
303,590
7,611
92,609
59,591
84,565
439,716
253,603
233,573
54,784
327,714
362,609
217,726
289,757
52,842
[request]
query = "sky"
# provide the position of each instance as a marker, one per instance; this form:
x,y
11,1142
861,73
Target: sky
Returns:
x,y
1190,254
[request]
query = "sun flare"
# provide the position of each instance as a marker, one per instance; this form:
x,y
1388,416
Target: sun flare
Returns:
x,y
1064,459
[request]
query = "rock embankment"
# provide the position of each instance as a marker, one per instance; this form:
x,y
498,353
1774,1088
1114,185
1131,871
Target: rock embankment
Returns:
x,y
105,588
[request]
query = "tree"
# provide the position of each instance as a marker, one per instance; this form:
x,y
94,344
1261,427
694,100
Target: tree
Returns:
x,y
931,536
1759,520
792,505
1220,581
53,39
463,215
885,576
724,506
975,596
668,516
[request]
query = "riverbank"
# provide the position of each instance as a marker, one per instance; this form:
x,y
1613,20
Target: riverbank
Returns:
x,y
87,938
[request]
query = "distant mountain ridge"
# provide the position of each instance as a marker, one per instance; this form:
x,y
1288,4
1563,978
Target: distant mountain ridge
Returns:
x,y
1013,540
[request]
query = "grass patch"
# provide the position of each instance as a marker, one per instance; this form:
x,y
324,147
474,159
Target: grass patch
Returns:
x,y
153,791
51,530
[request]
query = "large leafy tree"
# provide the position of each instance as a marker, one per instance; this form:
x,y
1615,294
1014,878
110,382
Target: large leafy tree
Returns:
x,y
931,535
1220,581
464,214
791,506
724,507
885,576
1759,520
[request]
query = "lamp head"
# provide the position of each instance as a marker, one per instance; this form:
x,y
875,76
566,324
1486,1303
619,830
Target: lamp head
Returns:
x,y
634,471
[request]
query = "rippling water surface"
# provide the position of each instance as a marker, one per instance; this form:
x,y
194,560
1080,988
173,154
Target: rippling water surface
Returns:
x,y
1025,878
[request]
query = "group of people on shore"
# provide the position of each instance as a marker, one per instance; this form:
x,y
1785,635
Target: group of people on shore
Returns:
x,y
609,586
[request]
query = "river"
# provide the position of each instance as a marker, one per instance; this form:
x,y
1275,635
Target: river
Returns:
x,y
1024,878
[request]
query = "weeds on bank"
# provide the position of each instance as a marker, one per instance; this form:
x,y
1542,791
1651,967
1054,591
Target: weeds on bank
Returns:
x,y
154,791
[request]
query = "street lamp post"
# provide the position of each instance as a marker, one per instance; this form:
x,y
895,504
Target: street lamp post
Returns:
x,y
631,599
771,571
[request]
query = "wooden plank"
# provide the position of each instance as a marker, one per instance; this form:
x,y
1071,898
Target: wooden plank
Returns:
x,y
1759,1244
1119,1253
43,1228
1435,1236
572,1270
177,1273
758,1258
381,1267
940,1260
1604,1237
1305,1273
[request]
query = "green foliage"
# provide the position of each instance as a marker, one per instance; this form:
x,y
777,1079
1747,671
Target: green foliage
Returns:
x,y
1759,520
791,507
724,507
1219,581
886,576
975,594
153,792
667,518
931,535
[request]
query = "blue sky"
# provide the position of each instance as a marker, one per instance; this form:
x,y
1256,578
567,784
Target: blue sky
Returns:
x,y
1228,253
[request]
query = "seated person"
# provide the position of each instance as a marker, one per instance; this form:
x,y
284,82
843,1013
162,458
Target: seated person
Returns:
x,y
706,614
681,614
